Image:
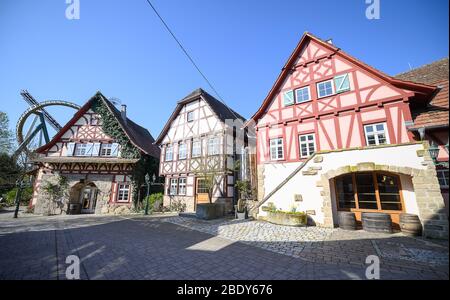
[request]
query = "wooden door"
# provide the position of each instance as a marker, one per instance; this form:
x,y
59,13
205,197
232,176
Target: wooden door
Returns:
x,y
201,191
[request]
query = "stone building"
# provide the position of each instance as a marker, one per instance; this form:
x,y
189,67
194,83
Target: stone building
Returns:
x,y
91,165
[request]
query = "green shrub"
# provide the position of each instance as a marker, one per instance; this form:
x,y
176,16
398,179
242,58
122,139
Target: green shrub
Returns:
x,y
155,201
25,197
271,207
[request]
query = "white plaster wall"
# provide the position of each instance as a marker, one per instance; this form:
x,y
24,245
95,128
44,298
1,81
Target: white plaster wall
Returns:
x,y
409,197
305,185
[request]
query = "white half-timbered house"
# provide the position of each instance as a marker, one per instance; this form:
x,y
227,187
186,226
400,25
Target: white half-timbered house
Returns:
x,y
200,137
97,167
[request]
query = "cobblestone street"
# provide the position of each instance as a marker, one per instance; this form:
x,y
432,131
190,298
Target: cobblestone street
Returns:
x,y
172,247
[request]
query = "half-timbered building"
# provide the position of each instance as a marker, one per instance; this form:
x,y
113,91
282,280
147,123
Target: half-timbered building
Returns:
x,y
198,139
333,134
95,154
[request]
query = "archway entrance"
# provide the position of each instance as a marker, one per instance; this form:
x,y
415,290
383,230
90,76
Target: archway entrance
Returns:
x,y
83,198
370,192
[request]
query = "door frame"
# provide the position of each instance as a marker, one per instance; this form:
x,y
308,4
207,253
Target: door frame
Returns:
x,y
92,201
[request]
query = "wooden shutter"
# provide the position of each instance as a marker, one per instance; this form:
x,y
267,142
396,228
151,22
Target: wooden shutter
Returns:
x,y
96,149
288,98
89,149
70,149
342,83
115,149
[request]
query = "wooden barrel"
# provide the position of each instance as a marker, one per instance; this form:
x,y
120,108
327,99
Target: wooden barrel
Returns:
x,y
377,222
347,220
410,224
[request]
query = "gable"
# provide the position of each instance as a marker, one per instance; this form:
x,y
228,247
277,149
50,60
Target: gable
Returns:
x,y
314,61
205,122
86,128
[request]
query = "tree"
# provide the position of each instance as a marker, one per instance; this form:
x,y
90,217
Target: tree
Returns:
x,y
6,135
10,172
209,176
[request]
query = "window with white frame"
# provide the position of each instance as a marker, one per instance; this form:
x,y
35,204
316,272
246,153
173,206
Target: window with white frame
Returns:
x,y
81,149
376,134
123,192
182,186
443,178
173,186
196,148
182,151
169,153
288,98
276,149
214,146
106,150
190,116
307,145
325,88
302,94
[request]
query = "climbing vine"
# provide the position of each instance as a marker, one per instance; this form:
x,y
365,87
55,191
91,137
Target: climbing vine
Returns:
x,y
111,127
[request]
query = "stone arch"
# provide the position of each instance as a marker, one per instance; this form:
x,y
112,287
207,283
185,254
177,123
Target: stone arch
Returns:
x,y
426,188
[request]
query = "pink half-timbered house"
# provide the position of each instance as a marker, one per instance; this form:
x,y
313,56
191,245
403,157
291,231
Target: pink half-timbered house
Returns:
x,y
97,167
333,134
199,139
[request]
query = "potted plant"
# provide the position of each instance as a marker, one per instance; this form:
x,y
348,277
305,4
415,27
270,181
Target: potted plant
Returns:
x,y
244,189
241,210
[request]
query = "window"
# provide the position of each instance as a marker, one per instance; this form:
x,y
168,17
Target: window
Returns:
x,y
169,153
81,149
182,186
196,148
307,145
173,186
213,146
376,134
202,186
302,94
123,192
368,191
325,88
190,116
342,83
106,150
288,98
443,178
276,149
182,151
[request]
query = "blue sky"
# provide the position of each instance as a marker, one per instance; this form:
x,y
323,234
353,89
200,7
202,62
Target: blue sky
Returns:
x,y
121,48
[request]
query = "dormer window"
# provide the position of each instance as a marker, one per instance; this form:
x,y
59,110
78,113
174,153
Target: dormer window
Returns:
x,y
190,116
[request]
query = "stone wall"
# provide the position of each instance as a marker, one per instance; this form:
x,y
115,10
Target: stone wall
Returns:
x,y
311,188
45,206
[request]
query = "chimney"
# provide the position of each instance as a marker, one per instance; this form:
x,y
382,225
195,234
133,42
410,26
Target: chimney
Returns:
x,y
123,112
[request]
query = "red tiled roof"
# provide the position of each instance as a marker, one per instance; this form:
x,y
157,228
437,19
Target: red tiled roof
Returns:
x,y
436,112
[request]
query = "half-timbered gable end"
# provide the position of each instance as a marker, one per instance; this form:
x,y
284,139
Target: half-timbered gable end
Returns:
x,y
196,140
96,151
328,112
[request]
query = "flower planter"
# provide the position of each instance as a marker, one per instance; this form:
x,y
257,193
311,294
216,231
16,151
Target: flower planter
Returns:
x,y
286,219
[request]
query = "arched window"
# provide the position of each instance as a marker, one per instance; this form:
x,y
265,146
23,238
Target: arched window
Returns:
x,y
369,191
